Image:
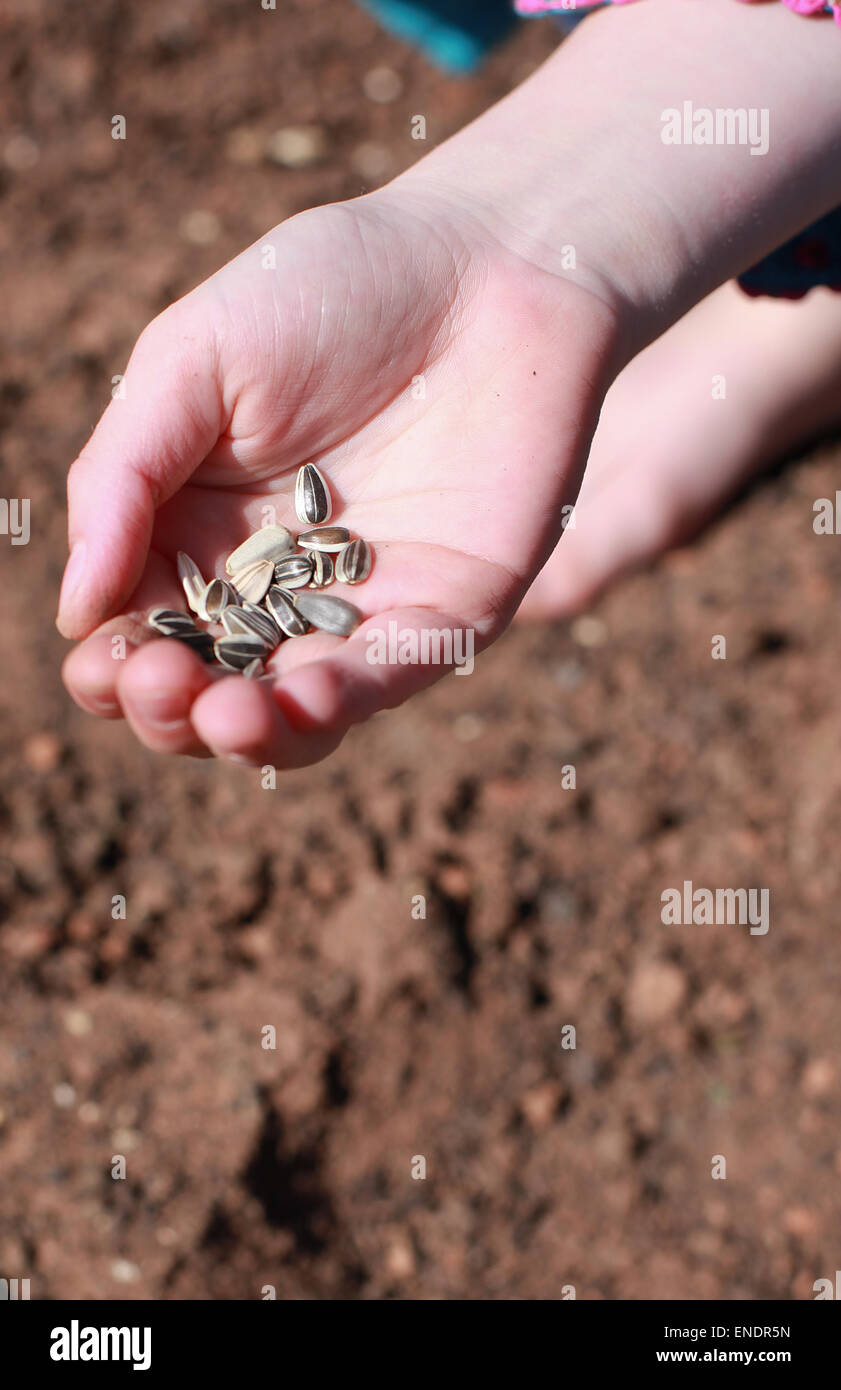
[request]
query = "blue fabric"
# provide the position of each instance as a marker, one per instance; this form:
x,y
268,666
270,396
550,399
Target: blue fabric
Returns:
x,y
455,34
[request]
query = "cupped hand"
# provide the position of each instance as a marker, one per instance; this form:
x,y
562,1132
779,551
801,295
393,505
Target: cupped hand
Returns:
x,y
446,386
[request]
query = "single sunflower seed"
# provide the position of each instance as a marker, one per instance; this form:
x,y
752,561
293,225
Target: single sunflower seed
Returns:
x,y
353,564
284,609
252,619
253,580
254,670
239,651
313,503
260,621
216,597
269,543
233,620
192,580
328,613
294,571
322,569
170,620
325,538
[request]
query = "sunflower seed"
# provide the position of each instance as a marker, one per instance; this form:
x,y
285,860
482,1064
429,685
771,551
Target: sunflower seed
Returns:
x,y
169,620
233,621
259,621
191,578
328,613
200,642
254,670
325,538
353,564
313,503
252,581
239,651
294,571
283,608
269,543
216,597
322,569
251,619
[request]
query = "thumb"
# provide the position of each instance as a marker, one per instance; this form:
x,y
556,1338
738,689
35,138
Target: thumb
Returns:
x,y
149,441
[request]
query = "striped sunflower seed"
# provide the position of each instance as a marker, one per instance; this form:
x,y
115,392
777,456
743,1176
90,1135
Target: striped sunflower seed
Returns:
x,y
235,621
253,580
284,609
259,621
353,564
325,538
239,651
269,543
254,670
192,580
313,503
169,620
200,642
216,597
328,613
322,569
294,571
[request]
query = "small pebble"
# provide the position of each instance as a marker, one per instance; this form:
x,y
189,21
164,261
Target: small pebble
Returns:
x,y
125,1272
468,727
819,1077
78,1023
400,1259
296,146
64,1096
371,161
42,752
201,228
656,990
124,1140
589,631
382,85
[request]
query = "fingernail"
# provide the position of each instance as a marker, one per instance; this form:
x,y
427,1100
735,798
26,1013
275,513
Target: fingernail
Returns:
x,y
97,705
226,757
73,572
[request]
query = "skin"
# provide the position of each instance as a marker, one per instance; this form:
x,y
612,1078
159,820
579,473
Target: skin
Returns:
x,y
321,367
668,454
451,274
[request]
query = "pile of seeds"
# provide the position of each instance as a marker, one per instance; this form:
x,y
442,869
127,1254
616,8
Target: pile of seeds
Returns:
x,y
266,596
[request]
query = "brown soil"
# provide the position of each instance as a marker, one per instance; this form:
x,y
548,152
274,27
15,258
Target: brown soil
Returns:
x,y
395,1037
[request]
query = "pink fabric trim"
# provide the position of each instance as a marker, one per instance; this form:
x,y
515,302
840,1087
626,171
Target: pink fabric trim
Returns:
x,y
532,7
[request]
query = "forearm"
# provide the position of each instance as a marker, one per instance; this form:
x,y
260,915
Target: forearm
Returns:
x,y
576,155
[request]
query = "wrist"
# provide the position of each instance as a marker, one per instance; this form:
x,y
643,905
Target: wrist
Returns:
x,y
504,206
572,173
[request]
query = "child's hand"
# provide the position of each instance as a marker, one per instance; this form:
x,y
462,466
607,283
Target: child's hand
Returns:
x,y
446,387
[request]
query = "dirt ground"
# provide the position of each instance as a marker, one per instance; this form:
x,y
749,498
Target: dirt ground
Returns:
x,y
444,1038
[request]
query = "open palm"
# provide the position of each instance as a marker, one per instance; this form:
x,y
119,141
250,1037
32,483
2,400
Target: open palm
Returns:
x,y
446,388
